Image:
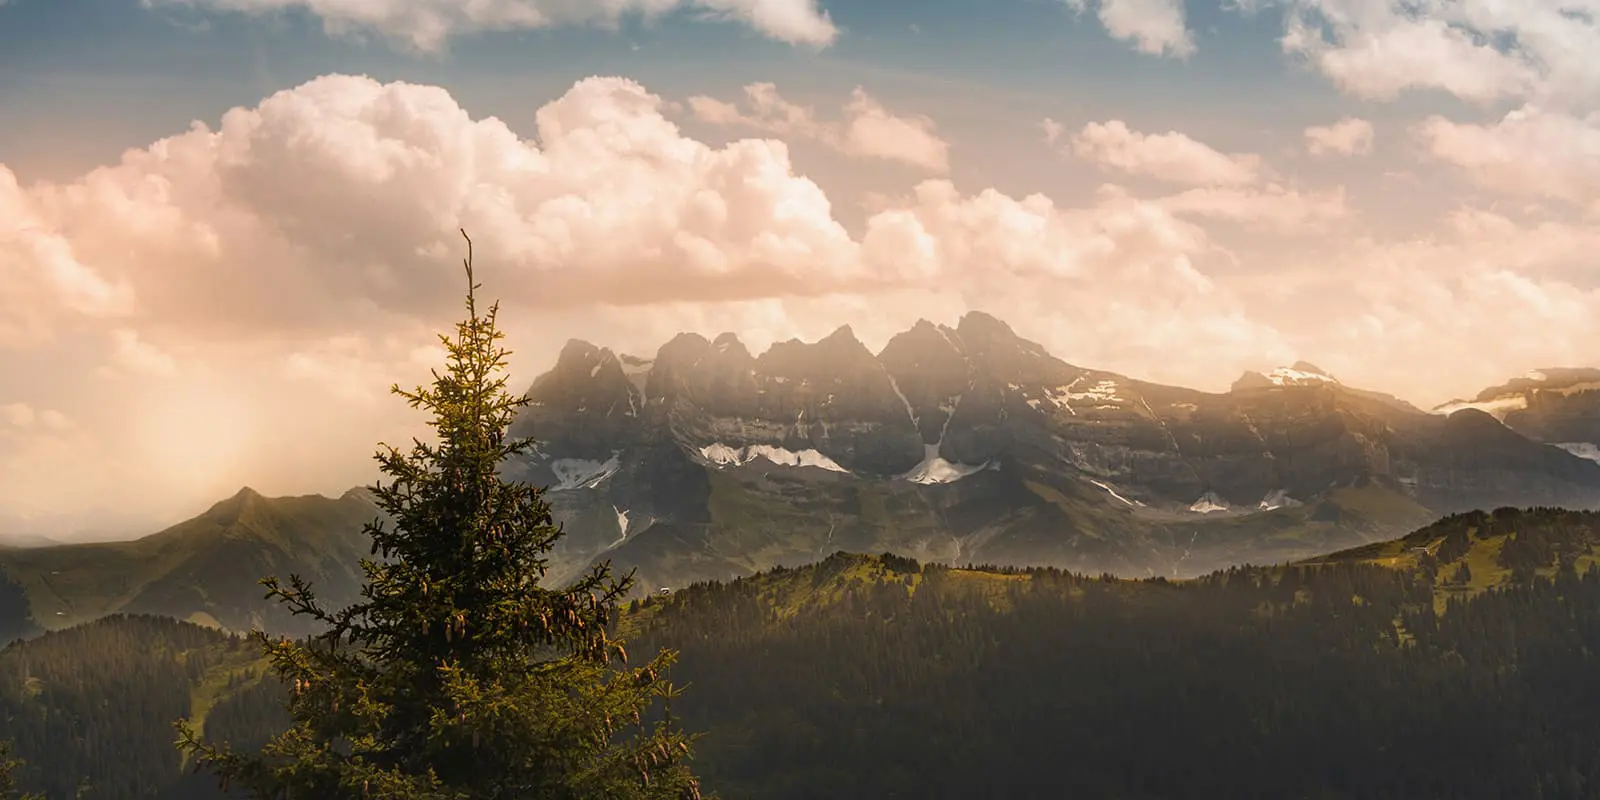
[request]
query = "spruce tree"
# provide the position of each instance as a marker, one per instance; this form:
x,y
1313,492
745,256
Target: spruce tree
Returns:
x,y
8,781
458,674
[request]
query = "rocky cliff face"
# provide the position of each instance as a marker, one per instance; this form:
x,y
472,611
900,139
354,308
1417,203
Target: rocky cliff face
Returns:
x,y
1560,407
969,443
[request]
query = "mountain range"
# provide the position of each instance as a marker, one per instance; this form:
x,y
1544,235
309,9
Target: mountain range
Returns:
x,y
963,444
972,444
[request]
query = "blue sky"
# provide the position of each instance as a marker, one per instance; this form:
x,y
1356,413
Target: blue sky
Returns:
x,y
222,217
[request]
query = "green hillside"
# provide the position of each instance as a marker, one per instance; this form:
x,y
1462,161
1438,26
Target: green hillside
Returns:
x,y
1465,554
204,570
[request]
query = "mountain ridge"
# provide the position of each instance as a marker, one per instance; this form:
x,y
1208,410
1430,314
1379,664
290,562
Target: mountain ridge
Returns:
x,y
956,441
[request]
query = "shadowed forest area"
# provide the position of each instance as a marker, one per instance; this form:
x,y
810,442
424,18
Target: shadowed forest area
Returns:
x,y
874,677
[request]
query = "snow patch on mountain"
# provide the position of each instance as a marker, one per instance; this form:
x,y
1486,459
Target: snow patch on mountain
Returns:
x,y
1278,499
622,526
1498,408
1103,394
1113,493
1209,503
1581,450
726,456
1102,391
895,385
1576,388
935,470
1289,376
582,473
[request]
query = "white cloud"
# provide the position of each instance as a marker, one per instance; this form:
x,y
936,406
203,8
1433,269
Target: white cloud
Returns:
x,y
280,270
1170,156
41,274
1156,27
427,24
866,129
1527,152
1347,137
1478,50
1272,207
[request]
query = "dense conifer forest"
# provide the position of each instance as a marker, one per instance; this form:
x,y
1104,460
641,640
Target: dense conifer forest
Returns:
x,y
1375,673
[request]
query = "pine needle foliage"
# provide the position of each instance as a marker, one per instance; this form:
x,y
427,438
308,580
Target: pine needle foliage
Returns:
x,y
8,784
458,674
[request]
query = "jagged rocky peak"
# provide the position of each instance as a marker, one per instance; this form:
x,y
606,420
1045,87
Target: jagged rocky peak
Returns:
x,y
1007,361
727,345
1302,373
928,370
580,363
981,326
924,346
716,374
837,357
587,381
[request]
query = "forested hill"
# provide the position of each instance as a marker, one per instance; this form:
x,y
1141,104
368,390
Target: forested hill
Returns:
x,y
91,708
1370,674
876,677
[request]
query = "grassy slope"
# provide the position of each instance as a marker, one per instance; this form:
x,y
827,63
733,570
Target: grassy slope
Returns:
x,y
203,570
790,592
1486,537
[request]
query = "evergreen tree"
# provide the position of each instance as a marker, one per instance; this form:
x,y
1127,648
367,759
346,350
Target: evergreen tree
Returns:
x,y
8,786
457,675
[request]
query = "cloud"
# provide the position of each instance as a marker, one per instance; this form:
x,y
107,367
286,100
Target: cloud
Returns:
x,y
1170,156
1271,207
1155,27
1461,307
1348,137
1477,50
427,24
254,286
866,129
40,273
139,357
1527,152
21,416
276,272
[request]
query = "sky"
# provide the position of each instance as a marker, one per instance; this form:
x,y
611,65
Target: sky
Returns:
x,y
228,226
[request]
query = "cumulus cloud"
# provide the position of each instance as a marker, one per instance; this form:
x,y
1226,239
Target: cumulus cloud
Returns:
x,y
427,24
1528,152
1156,27
865,130
1347,137
40,273
1478,50
255,286
1170,156
275,272
1538,55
